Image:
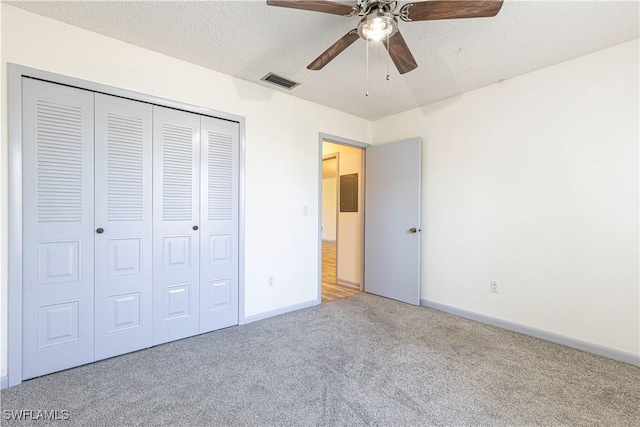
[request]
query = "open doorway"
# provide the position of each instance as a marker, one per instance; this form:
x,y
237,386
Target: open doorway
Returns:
x,y
342,220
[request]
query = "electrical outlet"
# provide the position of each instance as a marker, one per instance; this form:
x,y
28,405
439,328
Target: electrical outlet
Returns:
x,y
494,286
270,281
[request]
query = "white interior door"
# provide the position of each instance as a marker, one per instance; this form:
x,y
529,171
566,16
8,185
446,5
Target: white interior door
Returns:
x,y
219,223
123,131
58,245
392,220
176,245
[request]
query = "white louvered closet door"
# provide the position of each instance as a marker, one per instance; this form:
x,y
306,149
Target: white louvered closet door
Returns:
x,y
219,224
58,296
123,224
176,244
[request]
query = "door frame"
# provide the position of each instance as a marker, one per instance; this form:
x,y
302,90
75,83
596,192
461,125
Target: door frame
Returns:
x,y
350,143
15,73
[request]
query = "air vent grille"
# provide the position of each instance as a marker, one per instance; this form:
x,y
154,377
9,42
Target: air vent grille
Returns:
x,y
280,81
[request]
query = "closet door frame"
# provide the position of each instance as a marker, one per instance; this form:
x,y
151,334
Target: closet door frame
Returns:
x,y
15,74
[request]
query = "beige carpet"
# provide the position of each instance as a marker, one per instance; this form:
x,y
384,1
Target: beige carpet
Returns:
x,y
362,360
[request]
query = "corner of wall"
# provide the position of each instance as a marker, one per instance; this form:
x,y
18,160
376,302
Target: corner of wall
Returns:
x,y
4,223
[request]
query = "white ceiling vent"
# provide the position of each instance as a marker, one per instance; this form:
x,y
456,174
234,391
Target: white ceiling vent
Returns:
x,y
280,81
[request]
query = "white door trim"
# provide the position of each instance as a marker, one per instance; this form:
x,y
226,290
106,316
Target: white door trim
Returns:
x,y
14,87
351,143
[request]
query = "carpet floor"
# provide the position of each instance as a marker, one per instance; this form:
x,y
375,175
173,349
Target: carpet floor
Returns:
x,y
362,360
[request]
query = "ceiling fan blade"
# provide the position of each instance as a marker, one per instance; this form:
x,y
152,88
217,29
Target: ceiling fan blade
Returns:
x,y
335,50
400,53
449,9
316,6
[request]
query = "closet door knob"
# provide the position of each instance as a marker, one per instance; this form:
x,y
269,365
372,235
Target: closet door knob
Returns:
x,y
195,227
100,230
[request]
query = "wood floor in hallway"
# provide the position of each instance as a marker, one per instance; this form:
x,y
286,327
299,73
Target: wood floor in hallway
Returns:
x,y
330,289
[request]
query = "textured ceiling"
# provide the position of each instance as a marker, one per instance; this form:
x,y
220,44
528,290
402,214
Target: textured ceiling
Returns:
x,y
247,39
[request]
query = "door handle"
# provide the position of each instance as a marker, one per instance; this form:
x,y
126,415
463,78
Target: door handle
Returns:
x,y
195,228
100,230
413,230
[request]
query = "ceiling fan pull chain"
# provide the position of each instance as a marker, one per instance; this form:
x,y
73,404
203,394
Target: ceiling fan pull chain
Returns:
x,y
388,78
366,79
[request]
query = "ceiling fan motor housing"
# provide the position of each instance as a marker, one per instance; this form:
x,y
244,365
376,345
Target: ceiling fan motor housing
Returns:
x,y
377,25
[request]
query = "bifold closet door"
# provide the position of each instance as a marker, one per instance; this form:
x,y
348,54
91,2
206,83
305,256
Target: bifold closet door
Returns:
x,y
219,224
58,239
176,244
123,221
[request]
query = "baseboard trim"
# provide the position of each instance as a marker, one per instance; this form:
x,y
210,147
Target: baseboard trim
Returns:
x,y
281,310
348,283
600,350
4,382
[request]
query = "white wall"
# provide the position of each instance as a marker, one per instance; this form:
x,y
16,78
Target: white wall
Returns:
x,y
534,182
281,146
349,247
329,208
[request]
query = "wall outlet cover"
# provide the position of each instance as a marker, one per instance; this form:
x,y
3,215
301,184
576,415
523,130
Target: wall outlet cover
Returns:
x,y
494,286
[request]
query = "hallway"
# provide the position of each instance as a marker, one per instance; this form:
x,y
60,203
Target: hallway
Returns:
x,y
330,289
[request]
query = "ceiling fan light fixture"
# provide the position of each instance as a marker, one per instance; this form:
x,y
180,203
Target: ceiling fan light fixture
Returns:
x,y
377,26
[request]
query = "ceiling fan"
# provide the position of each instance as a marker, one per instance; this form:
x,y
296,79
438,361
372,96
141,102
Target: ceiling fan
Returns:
x,y
380,22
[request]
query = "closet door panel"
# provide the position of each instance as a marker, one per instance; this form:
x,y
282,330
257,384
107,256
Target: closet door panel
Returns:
x,y
58,212
219,224
123,173
176,155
